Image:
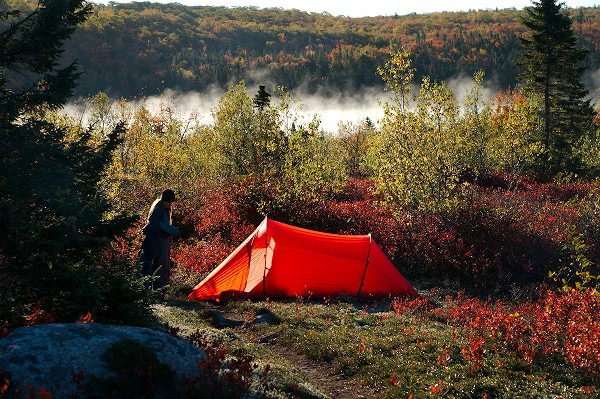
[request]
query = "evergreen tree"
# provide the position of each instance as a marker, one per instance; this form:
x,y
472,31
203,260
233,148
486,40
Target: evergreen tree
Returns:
x,y
54,216
262,98
248,131
551,70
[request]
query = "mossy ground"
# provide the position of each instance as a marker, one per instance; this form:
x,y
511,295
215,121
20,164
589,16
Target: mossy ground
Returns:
x,y
372,349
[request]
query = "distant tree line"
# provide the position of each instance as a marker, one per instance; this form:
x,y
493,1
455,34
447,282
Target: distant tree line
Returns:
x,y
142,48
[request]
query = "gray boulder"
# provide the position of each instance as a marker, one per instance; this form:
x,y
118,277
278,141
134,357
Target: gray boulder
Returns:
x,y
48,356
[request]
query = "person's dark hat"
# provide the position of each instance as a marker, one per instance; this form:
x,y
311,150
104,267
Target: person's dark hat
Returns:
x,y
168,195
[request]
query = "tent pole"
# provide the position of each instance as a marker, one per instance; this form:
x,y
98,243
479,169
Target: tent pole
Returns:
x,y
265,268
249,248
362,280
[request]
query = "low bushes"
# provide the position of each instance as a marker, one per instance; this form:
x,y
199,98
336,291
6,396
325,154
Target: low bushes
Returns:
x,y
505,239
559,325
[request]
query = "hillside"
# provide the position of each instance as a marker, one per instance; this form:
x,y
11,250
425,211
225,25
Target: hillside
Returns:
x,y
142,48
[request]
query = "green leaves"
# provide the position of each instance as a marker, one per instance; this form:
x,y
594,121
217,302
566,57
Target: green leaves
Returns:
x,y
55,213
577,269
249,139
261,142
421,153
513,142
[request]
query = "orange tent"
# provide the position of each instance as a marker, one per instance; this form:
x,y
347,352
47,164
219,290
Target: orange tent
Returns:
x,y
278,260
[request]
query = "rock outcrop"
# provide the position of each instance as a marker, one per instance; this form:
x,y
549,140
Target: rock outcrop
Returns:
x,y
54,356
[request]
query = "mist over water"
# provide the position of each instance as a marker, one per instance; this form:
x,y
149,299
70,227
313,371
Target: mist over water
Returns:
x,y
330,106
344,107
592,82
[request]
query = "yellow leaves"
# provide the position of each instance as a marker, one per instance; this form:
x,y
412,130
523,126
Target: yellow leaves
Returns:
x,y
398,75
421,151
513,127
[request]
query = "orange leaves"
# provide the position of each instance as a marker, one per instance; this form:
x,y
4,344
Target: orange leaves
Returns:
x,y
362,347
38,316
443,358
589,390
403,305
474,353
5,383
582,344
394,380
566,324
437,388
85,318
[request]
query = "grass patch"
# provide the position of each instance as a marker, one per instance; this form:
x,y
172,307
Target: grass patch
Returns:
x,y
398,355
283,379
390,350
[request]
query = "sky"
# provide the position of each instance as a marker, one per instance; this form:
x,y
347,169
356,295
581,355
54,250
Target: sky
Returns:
x,y
359,8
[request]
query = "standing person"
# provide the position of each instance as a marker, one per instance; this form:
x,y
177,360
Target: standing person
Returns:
x,y
158,231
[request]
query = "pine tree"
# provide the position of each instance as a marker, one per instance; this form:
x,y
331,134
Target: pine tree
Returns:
x,y
54,216
551,71
262,98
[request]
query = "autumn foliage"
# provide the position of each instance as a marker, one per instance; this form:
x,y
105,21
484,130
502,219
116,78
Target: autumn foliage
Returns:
x,y
452,192
561,325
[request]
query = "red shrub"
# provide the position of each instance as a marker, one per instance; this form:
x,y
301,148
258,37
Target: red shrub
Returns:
x,y
565,324
474,353
200,256
220,216
403,305
503,238
229,373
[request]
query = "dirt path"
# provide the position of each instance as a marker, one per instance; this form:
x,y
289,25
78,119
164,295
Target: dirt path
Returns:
x,y
323,376
320,374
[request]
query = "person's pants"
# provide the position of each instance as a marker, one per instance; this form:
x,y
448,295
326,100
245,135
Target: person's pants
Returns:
x,y
159,265
155,267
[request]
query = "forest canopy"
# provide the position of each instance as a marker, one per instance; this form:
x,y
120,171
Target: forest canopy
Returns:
x,y
142,48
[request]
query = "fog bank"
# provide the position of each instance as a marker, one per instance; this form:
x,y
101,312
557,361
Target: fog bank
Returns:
x,y
330,106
